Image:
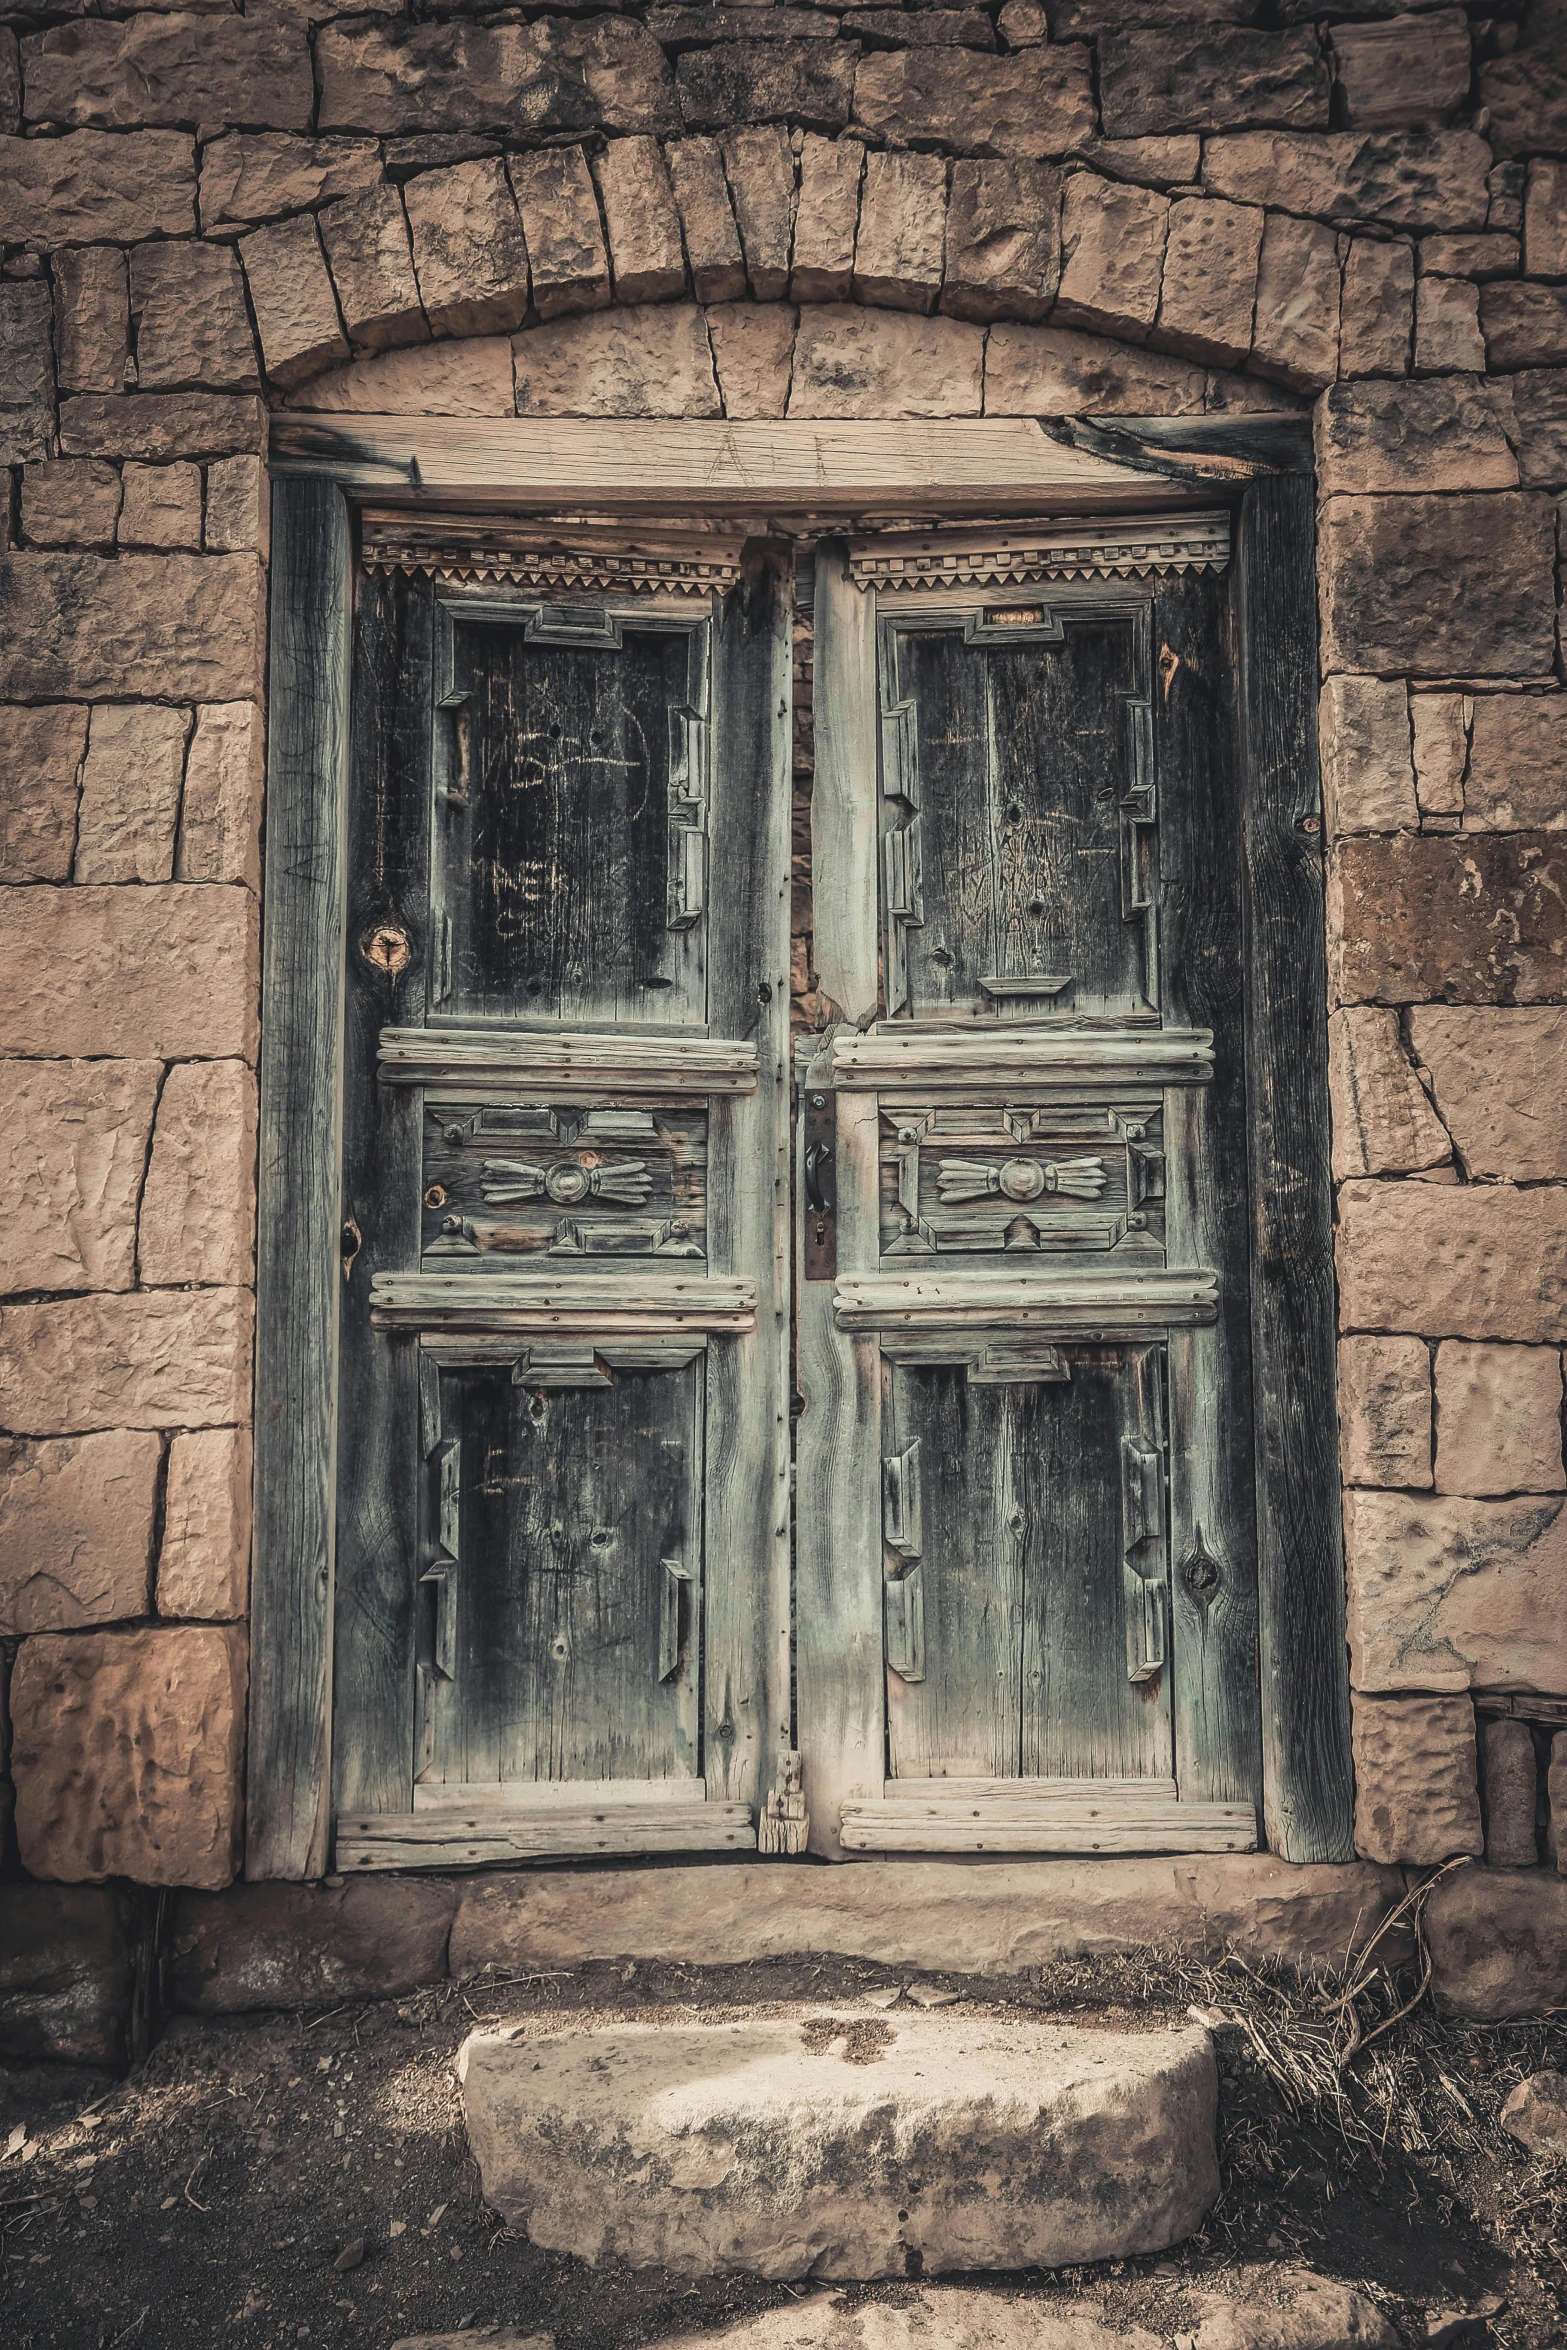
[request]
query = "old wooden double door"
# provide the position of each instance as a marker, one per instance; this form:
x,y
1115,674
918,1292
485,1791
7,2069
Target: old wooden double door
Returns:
x,y
751,1440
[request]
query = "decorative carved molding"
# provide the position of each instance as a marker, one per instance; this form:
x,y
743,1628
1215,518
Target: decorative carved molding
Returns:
x,y
555,559
1067,1179
568,1196
1013,554
567,1061
563,1304
905,1057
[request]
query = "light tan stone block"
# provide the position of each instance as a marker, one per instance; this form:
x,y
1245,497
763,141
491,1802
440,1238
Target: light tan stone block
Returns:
x,y
1406,72
1517,775
1003,240
1497,1078
1487,254
1036,104
753,349
73,1152
93,628
367,251
647,263
1478,917
1440,586
1454,1261
1399,179
220,819
170,66
560,219
41,752
1368,776
427,379
198,1211
171,971
1449,1594
76,1523
469,252
902,233
204,1564
1441,745
291,294
1053,371
249,176
1112,255
161,507
1545,219
127,1755
155,426
92,318
851,362
696,172
1509,1780
1499,1419
1448,340
130,804
759,166
1209,288
153,1358
1382,1122
70,502
192,325
27,401
1416,1799
1447,434
238,507
826,211
1377,312
96,186
1295,335
1384,1411
643,362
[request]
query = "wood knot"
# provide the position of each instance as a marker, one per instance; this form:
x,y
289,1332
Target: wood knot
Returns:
x,y
388,946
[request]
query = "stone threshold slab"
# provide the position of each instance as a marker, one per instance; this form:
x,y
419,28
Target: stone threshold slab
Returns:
x,y
814,2144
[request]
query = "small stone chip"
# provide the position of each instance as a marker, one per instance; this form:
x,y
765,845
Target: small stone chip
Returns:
x,y
351,2257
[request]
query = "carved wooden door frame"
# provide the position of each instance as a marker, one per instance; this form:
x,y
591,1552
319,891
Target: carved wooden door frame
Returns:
x,y
806,476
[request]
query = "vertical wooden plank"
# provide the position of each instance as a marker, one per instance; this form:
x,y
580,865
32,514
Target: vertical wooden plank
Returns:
x,y
1305,1678
845,810
297,1275
746,1708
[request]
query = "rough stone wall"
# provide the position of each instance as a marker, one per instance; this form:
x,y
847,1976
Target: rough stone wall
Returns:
x,y
756,210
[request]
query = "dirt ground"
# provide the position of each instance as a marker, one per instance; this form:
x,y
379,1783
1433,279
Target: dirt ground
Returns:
x,y
289,2179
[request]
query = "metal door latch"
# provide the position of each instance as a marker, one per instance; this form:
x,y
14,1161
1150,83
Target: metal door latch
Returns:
x,y
821,1189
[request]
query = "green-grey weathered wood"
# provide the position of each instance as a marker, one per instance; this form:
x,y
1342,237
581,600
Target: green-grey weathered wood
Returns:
x,y
1308,1783
297,1257
845,806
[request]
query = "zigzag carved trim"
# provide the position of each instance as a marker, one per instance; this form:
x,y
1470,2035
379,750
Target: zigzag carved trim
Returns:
x,y
1013,554
480,547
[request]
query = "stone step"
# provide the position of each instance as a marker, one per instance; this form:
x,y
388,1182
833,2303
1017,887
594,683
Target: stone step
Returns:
x,y
849,2146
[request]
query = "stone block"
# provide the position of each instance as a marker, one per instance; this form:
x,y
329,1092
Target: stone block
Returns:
x,y
26,371
91,318
1496,1078
1209,289
759,164
198,1211
127,1752
768,2146
1535,2113
640,362
647,261
160,507
753,352
1499,1419
1485,254
963,27
1454,1261
159,425
1420,181
95,186
368,254
560,218
71,1167
1540,409
1382,1122
1447,327
1509,1782
1151,163
149,1359
238,507
1036,104
76,1529
65,1975
1112,255
1050,371
902,231
1003,256
1377,308
10,83
188,626
292,1946
70,502
712,242
1448,1594
41,752
465,378
1556,1800
1525,99
1525,325
130,803
1475,917
220,818
1384,1411
291,294
1210,77
1516,778
1441,746
1416,1801
605,74
192,325
1446,434
1368,776
1545,219
170,972
1498,1942
155,69
204,1558
1440,586
850,362
807,82
827,209
1404,73
252,176
1295,334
